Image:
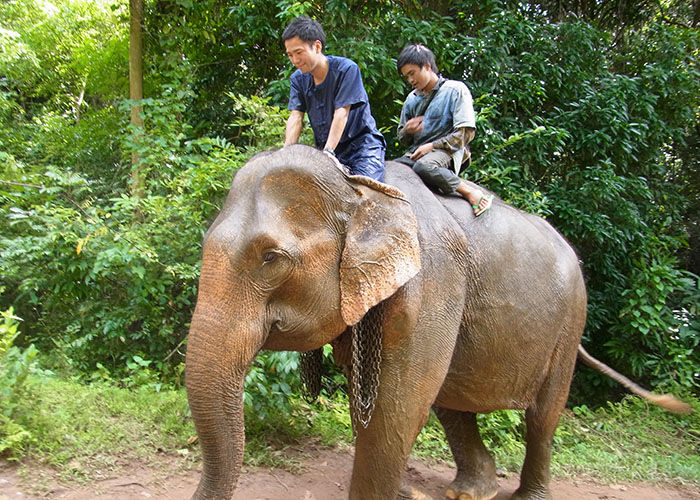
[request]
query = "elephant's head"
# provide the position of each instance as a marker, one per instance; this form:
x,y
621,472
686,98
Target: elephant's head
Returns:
x,y
299,252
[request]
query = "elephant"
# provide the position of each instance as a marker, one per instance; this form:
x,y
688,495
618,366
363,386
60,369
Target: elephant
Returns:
x,y
466,315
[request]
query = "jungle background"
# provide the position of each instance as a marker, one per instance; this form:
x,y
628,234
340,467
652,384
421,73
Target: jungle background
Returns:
x,y
122,123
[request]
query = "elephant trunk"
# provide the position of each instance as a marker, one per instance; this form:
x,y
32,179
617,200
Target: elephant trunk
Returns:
x,y
215,376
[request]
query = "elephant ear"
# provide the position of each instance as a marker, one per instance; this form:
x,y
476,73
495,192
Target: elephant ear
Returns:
x,y
381,250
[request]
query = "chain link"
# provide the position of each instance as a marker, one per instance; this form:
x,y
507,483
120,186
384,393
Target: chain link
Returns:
x,y
364,372
311,372
366,360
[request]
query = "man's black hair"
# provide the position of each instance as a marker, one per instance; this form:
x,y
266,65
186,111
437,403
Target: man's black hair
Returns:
x,y
307,29
417,54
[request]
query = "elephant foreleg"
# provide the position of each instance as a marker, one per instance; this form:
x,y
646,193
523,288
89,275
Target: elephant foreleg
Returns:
x,y
381,453
476,470
408,492
383,447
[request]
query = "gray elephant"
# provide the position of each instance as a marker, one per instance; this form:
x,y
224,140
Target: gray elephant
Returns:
x,y
426,305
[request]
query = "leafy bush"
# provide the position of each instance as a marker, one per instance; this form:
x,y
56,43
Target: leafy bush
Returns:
x,y
257,125
575,131
15,366
671,334
502,431
269,382
100,287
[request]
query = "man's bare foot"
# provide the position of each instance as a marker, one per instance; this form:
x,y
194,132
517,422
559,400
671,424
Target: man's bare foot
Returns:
x,y
480,202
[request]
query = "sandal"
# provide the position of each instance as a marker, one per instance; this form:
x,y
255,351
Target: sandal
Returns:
x,y
489,198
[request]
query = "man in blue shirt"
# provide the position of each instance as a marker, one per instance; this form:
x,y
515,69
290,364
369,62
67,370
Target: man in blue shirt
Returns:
x,y
329,89
437,123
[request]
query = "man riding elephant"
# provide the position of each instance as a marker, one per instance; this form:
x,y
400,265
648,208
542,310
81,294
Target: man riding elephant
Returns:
x,y
329,89
437,123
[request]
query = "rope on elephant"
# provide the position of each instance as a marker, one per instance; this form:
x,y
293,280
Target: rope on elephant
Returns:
x,y
366,360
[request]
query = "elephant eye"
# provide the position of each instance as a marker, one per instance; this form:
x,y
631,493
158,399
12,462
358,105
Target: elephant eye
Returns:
x,y
276,266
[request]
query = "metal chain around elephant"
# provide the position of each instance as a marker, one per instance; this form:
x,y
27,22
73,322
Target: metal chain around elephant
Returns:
x,y
311,372
366,360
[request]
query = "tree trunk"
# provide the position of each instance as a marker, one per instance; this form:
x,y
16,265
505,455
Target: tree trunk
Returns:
x,y
136,88
79,102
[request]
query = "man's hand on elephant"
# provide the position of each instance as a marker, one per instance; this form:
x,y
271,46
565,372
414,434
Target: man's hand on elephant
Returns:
x,y
422,151
331,154
414,125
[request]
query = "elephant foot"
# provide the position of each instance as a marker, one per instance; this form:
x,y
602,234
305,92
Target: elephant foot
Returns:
x,y
410,493
457,491
532,494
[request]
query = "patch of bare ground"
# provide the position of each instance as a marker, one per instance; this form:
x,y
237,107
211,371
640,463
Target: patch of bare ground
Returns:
x,y
322,474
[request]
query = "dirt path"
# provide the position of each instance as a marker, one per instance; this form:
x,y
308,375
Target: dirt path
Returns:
x,y
324,476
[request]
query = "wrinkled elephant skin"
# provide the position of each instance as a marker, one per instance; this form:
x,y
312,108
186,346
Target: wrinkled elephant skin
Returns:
x,y
479,314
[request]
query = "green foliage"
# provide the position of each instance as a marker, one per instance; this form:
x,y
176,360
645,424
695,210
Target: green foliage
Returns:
x,y
590,121
504,430
257,125
668,337
52,53
14,438
268,384
90,147
100,288
84,430
273,380
606,440
330,419
15,366
503,433
572,130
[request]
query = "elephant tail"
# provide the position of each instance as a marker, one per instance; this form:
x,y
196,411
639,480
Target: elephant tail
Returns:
x,y
667,401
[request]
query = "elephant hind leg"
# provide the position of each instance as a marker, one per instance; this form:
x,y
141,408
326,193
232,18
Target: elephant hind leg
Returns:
x,y
534,478
476,469
542,419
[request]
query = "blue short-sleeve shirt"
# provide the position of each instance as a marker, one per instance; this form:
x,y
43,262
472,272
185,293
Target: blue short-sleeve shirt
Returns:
x,y
342,87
